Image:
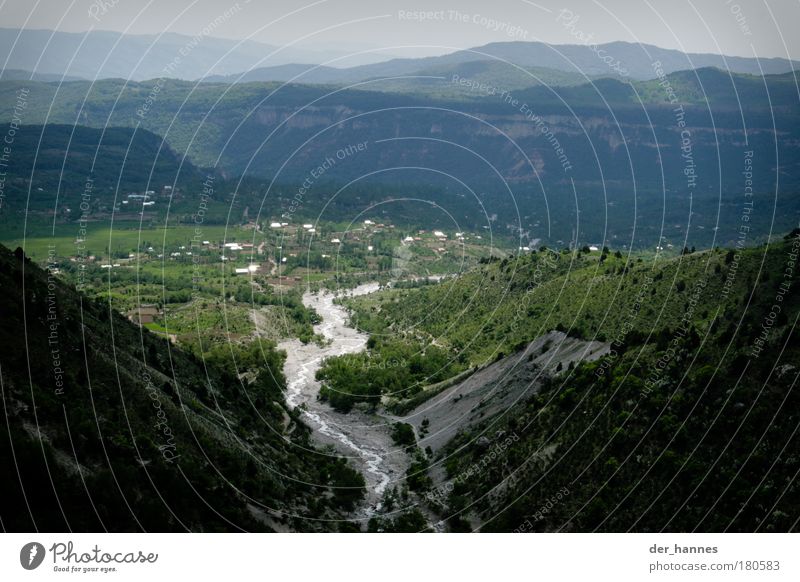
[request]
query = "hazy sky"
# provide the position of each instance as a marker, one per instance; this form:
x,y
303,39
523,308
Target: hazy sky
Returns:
x,y
733,27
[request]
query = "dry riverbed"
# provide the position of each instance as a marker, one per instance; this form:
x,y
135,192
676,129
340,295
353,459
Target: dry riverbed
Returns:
x,y
363,439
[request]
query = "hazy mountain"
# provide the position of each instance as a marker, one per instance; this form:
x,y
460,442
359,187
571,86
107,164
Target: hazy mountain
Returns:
x,y
20,75
619,59
103,54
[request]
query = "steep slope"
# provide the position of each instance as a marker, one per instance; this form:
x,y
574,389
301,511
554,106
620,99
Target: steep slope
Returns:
x,y
106,426
688,423
497,386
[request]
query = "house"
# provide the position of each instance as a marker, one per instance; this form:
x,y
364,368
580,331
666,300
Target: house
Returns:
x,y
143,314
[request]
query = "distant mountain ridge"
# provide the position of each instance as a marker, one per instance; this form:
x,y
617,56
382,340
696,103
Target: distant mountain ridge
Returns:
x,y
104,54
637,61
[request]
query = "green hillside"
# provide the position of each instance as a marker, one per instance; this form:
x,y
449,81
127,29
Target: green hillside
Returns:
x,y
109,426
686,424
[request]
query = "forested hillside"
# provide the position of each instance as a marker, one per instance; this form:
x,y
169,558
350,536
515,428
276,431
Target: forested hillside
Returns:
x,y
688,423
107,425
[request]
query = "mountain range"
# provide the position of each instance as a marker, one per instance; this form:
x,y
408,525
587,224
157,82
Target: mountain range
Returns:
x,y
619,144
103,54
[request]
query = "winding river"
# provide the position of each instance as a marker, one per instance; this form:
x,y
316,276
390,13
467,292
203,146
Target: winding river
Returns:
x,y
364,439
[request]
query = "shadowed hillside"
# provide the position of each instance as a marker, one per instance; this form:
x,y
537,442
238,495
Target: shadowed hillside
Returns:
x,y
106,426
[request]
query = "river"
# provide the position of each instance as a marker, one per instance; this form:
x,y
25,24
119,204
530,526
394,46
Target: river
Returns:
x,y
363,438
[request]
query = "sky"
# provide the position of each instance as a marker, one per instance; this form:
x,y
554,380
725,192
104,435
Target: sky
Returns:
x,y
764,28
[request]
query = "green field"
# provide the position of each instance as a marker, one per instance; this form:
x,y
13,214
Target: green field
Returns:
x,y
124,237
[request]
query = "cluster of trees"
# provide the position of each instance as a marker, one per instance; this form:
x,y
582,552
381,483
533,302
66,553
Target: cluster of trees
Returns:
x,y
397,368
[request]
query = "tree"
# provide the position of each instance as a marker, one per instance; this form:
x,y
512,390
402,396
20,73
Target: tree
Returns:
x,y
403,434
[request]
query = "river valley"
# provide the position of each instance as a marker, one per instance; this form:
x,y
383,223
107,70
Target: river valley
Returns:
x,y
364,439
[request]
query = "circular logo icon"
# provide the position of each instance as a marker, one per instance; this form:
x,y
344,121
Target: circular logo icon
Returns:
x,y
31,555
